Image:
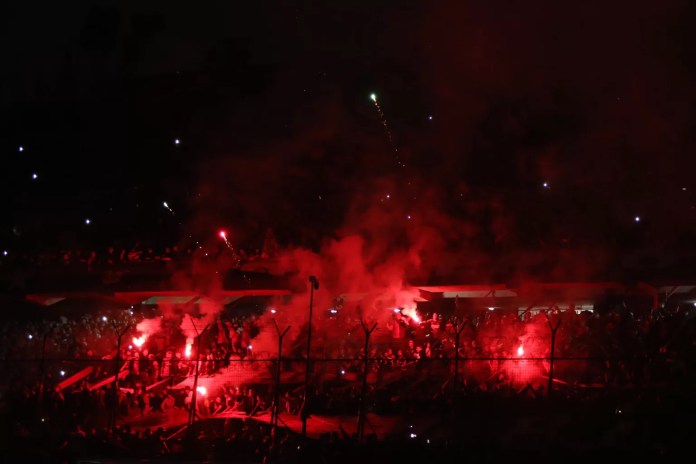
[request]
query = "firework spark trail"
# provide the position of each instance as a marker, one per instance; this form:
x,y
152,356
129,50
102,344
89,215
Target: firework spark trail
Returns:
x,y
383,118
237,257
223,236
167,207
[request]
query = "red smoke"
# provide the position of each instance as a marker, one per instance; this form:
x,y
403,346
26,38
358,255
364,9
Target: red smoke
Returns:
x,y
462,210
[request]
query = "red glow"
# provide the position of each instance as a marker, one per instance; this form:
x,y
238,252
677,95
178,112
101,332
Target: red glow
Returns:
x,y
520,351
140,340
412,313
223,234
187,351
202,390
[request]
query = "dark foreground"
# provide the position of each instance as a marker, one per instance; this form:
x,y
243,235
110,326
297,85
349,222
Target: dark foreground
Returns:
x,y
480,429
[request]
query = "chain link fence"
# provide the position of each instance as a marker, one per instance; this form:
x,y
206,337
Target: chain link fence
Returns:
x,y
163,389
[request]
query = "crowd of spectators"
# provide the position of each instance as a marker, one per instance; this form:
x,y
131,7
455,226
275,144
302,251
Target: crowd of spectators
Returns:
x,y
120,264
113,256
633,363
141,256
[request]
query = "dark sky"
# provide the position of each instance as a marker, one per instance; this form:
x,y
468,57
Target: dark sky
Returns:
x,y
521,125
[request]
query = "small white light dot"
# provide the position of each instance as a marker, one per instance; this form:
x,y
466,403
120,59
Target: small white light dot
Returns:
x,y
4,253
177,141
491,308
683,189
408,217
21,149
88,221
546,185
34,176
104,318
430,117
637,219
62,373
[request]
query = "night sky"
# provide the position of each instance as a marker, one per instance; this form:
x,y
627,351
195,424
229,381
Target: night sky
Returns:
x,y
500,129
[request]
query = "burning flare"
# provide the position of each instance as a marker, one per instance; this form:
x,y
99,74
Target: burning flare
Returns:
x,y
202,390
139,340
412,313
187,351
520,351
